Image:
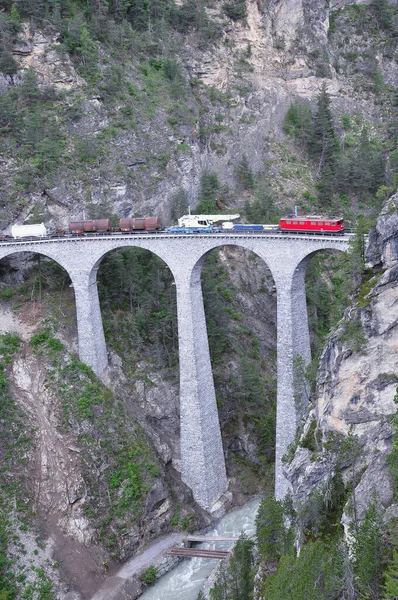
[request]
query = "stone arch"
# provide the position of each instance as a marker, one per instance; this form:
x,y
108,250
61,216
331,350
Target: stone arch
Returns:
x,y
300,312
140,244
114,247
43,275
293,341
6,252
211,435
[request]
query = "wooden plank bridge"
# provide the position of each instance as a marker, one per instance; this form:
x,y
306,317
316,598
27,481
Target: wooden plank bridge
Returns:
x,y
185,552
198,552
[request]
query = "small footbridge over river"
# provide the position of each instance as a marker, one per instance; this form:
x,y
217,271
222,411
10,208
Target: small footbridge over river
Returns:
x,y
286,255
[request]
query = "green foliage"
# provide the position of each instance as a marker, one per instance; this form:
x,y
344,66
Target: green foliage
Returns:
x,y
209,187
252,387
189,523
45,341
331,282
352,164
317,574
235,10
179,206
266,428
390,588
192,16
262,208
215,307
383,14
354,336
244,174
298,122
9,345
149,575
310,441
30,132
236,581
272,534
392,459
88,51
320,514
324,145
139,306
8,27
367,553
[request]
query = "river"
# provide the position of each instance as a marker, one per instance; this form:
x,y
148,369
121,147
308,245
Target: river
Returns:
x,y
187,579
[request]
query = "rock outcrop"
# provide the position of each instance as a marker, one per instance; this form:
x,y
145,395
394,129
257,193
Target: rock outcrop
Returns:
x,y
356,385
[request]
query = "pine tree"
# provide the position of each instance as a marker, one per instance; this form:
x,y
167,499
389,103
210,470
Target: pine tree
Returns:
x,y
29,90
252,388
368,167
272,535
367,554
138,14
179,205
240,570
325,146
383,14
244,174
299,122
89,53
317,574
8,29
390,588
209,186
262,209
99,18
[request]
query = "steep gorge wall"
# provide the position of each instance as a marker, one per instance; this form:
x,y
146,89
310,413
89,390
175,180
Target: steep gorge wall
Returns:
x,y
355,391
148,148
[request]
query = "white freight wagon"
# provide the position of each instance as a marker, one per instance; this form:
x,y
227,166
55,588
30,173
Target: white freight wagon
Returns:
x,y
22,231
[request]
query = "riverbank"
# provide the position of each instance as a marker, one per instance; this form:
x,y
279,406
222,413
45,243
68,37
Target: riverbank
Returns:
x,y
126,584
178,580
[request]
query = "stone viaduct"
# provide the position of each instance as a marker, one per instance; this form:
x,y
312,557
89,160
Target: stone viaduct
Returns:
x,y
287,256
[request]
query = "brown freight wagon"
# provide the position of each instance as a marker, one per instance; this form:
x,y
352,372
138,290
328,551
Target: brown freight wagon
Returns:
x,y
95,226
129,225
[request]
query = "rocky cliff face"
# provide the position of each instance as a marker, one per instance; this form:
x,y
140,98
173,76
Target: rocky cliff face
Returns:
x,y
133,144
356,385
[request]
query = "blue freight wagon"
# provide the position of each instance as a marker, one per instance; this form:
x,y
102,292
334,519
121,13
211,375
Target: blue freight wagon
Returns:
x,y
245,227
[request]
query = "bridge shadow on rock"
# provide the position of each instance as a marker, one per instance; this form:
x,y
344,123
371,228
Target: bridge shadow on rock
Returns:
x,y
139,314
240,305
36,288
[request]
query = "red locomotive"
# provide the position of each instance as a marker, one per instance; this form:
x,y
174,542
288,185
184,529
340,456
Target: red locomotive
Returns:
x,y
308,223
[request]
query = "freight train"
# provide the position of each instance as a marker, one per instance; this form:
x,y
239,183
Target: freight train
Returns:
x,y
188,224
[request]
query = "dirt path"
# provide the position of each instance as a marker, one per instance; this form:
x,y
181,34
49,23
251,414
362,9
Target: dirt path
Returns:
x,y
113,587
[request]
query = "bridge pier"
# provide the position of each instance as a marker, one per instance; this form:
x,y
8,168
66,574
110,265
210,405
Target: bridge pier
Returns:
x,y
92,345
202,456
293,341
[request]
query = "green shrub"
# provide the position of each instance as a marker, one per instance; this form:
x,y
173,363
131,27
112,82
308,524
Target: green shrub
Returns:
x,y
354,335
317,574
7,293
235,10
149,576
